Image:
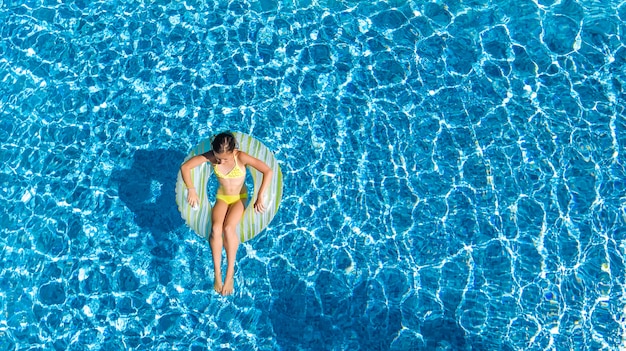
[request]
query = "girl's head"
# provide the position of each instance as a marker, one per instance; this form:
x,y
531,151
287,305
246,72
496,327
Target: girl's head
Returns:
x,y
224,143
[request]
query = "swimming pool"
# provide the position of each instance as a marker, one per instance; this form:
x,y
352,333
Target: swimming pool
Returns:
x,y
454,174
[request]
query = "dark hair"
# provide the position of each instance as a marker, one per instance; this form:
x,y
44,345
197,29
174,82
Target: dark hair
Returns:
x,y
224,142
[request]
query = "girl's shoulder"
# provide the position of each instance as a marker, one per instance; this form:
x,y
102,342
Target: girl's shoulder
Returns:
x,y
240,153
242,156
209,156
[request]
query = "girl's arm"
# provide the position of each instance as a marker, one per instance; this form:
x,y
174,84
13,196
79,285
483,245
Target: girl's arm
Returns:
x,y
185,171
262,167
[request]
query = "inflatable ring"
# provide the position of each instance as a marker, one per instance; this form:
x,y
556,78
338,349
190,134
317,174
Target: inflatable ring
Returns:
x,y
252,223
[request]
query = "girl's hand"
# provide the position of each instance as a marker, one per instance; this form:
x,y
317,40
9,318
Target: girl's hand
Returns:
x,y
259,206
192,197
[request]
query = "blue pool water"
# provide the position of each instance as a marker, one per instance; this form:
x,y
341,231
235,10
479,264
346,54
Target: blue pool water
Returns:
x,y
454,174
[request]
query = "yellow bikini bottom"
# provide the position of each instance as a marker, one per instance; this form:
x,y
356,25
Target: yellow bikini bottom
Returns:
x,y
231,199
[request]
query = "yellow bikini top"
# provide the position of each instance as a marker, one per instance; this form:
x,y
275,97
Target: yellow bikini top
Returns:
x,y
236,172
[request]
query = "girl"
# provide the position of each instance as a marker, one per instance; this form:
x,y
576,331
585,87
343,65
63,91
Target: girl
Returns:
x,y
229,165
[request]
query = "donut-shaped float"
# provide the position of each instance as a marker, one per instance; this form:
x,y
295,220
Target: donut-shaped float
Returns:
x,y
252,223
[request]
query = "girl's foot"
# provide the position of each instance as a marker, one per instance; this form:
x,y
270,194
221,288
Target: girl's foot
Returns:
x,y
228,287
217,285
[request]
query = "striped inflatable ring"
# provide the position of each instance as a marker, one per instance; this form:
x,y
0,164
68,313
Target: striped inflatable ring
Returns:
x,y
251,223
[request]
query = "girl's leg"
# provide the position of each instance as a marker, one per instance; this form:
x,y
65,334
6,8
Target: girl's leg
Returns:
x,y
231,243
216,241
